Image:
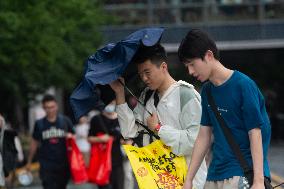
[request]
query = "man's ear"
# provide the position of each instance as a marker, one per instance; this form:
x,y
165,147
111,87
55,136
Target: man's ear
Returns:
x,y
209,56
164,65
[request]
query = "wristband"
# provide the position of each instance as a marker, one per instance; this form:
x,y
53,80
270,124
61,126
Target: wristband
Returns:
x,y
157,128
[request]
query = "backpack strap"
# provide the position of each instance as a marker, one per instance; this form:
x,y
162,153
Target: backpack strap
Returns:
x,y
40,123
148,96
62,121
186,93
138,140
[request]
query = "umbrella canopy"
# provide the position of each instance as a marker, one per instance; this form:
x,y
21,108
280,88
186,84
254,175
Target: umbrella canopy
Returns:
x,y
107,65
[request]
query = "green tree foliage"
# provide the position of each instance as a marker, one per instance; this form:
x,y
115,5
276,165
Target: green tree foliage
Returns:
x,y
45,43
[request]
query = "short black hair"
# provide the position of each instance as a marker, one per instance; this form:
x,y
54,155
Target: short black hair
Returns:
x,y
98,125
48,98
195,44
156,54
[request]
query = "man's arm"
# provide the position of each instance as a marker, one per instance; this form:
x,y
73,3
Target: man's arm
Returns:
x,y
182,140
118,88
201,146
257,157
96,139
33,148
126,116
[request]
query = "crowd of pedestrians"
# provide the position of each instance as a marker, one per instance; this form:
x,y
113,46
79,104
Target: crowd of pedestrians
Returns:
x,y
48,146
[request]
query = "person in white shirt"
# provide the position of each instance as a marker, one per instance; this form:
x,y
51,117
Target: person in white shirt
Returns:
x,y
82,130
175,107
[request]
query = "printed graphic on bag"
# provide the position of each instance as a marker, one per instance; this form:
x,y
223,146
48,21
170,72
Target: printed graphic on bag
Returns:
x,y
156,167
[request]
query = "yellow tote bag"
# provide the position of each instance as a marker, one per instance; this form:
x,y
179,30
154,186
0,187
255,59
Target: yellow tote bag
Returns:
x,y
156,167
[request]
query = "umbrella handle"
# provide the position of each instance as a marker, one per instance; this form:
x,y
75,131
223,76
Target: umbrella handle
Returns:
x,y
134,96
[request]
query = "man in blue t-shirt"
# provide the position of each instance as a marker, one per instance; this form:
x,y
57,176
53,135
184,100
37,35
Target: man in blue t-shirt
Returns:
x,y
49,138
242,106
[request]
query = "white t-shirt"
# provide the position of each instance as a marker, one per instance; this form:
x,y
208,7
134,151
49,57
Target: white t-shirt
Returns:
x,y
81,137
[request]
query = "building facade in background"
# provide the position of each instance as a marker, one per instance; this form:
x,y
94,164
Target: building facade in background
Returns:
x,y
249,34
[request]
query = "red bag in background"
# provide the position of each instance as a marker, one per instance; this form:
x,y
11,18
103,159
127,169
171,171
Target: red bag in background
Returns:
x,y
100,163
76,162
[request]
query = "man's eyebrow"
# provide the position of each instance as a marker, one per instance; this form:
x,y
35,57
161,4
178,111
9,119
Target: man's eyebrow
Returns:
x,y
187,62
145,70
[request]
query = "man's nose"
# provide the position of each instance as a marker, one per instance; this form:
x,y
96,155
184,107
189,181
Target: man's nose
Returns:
x,y
190,70
144,78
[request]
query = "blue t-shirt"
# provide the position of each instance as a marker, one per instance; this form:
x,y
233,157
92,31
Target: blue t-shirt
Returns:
x,y
51,136
242,106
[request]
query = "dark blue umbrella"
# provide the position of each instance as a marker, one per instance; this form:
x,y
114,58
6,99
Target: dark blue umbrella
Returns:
x,y
107,65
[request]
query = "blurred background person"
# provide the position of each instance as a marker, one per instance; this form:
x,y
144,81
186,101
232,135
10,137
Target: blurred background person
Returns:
x,y
8,151
49,137
129,179
82,130
107,123
17,160
2,177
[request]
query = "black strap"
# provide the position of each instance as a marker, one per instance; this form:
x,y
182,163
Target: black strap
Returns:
x,y
60,120
148,96
228,135
156,99
151,133
139,139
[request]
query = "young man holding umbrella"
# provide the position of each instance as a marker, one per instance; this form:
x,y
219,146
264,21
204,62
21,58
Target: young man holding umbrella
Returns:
x,y
172,110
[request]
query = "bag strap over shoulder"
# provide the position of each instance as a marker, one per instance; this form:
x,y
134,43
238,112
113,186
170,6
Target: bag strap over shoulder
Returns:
x,y
41,123
185,95
148,96
62,121
248,172
227,133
